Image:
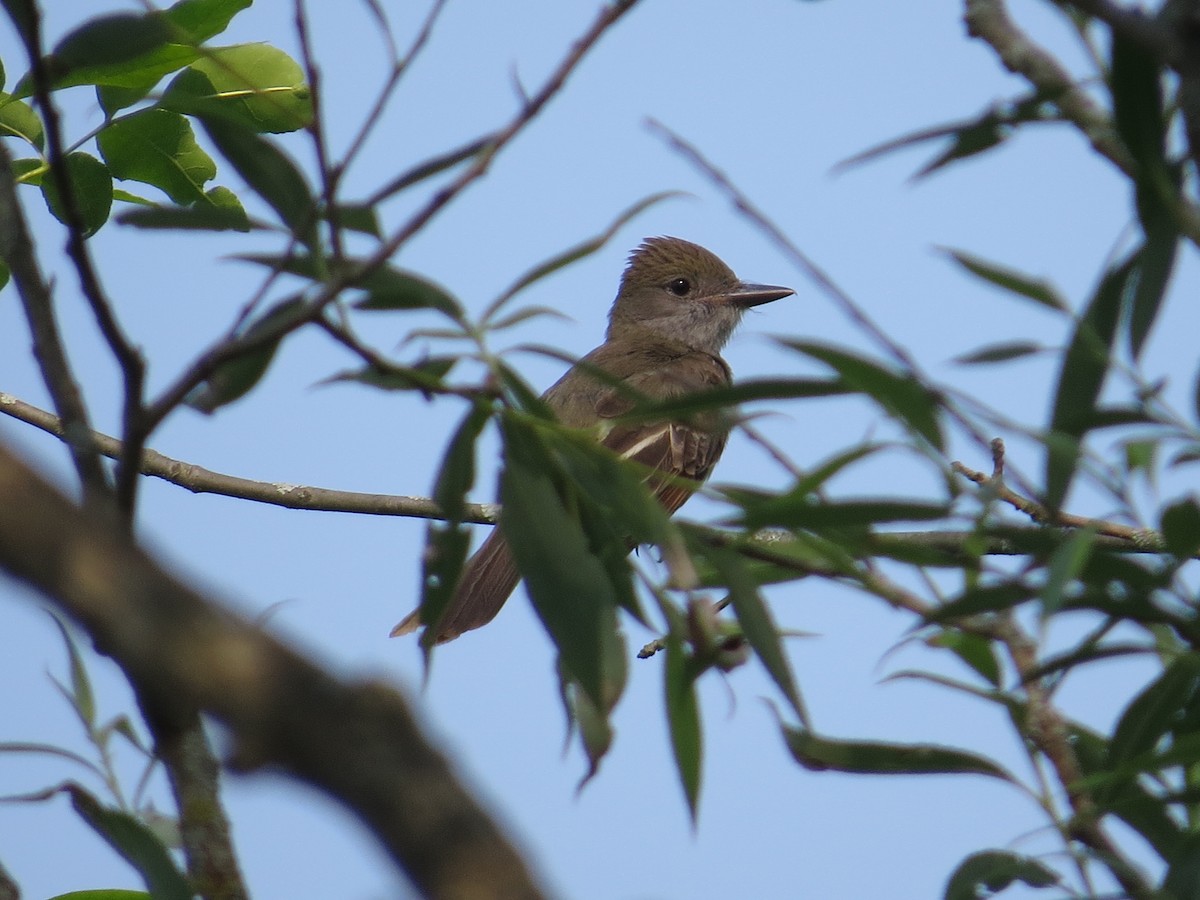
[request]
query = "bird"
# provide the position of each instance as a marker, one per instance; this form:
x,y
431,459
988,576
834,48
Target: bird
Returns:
x,y
676,308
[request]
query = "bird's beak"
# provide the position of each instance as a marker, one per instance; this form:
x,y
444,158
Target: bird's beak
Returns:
x,y
747,295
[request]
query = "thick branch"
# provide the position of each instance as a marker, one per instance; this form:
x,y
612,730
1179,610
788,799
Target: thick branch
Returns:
x,y
357,742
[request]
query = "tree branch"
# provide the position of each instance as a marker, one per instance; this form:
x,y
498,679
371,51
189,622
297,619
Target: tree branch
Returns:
x,y
199,480
129,359
16,249
358,742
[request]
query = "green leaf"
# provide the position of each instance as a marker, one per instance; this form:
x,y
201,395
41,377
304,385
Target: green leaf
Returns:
x,y
270,174
92,188
457,473
683,718
136,844
796,510
424,376
1136,87
1065,566
202,20
976,651
1084,367
1183,872
442,562
360,217
1154,711
568,584
757,624
387,287
878,758
104,894
158,148
1022,285
17,119
256,86
990,598
214,214
1002,352
595,730
1180,527
235,377
901,395
82,697
994,871
574,254
102,45
4,274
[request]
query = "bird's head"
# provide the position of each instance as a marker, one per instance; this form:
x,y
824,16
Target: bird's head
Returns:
x,y
677,290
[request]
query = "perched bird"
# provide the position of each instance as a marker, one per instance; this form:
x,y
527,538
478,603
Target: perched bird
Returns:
x,y
676,307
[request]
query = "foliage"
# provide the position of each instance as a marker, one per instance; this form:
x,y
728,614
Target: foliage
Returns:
x,y
578,507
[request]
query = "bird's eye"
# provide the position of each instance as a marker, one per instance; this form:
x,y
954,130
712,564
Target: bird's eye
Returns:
x,y
680,287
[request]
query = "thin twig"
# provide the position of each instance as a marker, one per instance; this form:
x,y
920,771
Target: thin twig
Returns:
x,y
17,251
1141,537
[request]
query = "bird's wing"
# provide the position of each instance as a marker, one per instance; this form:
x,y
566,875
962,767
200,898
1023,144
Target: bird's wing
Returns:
x,y
678,450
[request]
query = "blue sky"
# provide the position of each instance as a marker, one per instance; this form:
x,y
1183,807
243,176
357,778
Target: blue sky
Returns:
x,y
776,92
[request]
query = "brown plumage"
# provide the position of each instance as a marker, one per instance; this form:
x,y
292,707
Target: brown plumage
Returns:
x,y
676,307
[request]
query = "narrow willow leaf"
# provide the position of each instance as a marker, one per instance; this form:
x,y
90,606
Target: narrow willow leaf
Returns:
x,y
92,188
569,586
992,871
136,844
991,598
1155,263
1136,87
758,625
425,376
803,511
574,254
901,395
81,696
158,148
1084,367
1003,352
235,377
1065,566
683,718
595,729
1014,282
197,217
976,651
442,562
457,473
1154,711
270,174
878,758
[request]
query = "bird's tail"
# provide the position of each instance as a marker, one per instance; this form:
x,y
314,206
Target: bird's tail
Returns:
x,y
488,578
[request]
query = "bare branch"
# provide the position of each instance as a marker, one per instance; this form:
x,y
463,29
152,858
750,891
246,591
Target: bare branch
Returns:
x,y
16,249
358,742
199,480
